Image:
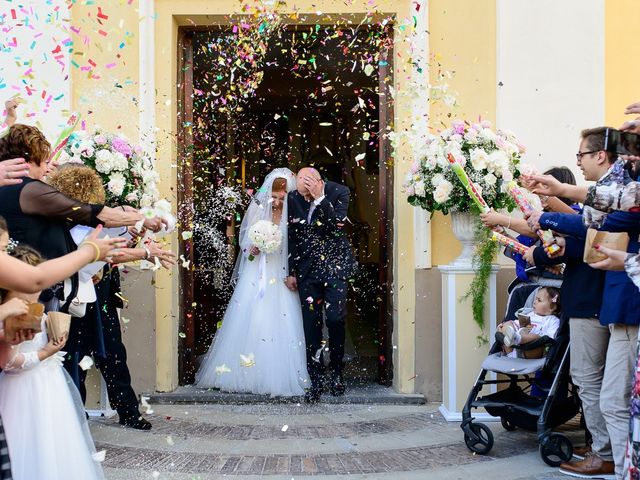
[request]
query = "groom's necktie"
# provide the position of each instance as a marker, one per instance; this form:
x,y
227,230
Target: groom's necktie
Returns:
x,y
312,207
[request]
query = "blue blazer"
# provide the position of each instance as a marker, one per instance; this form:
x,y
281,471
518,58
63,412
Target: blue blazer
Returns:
x,y
620,300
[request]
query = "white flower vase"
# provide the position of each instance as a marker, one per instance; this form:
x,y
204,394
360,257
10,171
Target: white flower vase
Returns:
x,y
464,228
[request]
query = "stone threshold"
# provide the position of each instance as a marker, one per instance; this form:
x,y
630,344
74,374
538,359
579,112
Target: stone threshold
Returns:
x,y
368,395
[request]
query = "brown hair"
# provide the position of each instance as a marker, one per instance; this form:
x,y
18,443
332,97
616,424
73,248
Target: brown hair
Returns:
x,y
554,296
25,254
79,182
279,185
594,138
3,225
24,141
28,255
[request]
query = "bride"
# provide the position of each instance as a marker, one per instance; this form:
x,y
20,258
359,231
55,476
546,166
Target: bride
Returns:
x,y
260,347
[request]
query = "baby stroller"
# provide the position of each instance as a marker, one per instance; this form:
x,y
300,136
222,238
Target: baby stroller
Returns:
x,y
539,394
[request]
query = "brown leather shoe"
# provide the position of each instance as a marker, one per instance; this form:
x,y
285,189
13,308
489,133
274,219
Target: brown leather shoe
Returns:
x,y
591,467
582,452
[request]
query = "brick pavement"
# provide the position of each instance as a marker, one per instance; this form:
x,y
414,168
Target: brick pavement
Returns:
x,y
216,442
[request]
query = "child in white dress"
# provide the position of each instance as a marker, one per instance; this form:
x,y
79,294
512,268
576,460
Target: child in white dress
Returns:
x,y
43,416
543,321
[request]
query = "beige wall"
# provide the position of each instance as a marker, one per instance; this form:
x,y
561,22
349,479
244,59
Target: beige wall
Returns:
x,y
429,327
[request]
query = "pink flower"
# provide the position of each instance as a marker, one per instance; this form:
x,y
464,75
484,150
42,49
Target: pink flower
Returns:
x,y
458,127
486,124
100,139
415,167
121,146
500,143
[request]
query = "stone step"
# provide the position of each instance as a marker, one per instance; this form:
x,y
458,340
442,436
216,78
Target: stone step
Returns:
x,y
370,394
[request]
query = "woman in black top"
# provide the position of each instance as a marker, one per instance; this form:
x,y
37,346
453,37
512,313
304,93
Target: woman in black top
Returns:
x,y
39,215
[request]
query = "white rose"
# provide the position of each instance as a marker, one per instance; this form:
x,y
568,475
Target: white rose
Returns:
x,y
456,138
104,161
490,179
430,162
132,197
116,184
120,162
471,135
146,200
479,159
497,161
437,179
88,152
64,157
418,188
442,192
507,176
487,135
150,176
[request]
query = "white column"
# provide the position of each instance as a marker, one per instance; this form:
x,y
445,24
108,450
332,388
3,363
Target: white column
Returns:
x,y
462,354
146,95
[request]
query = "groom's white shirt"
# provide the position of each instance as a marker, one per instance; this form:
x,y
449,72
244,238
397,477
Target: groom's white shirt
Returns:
x,y
313,206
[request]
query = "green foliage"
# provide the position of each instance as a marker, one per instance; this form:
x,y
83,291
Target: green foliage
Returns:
x,y
483,257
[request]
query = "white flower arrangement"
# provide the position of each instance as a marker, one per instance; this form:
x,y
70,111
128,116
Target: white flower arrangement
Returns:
x,y
128,174
490,159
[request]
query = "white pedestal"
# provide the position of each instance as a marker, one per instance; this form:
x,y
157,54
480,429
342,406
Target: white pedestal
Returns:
x,y
462,354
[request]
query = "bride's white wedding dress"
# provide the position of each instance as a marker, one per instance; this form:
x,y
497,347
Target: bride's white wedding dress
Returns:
x,y
260,346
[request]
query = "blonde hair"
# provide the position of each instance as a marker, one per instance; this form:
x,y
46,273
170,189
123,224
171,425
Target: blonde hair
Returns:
x,y
79,182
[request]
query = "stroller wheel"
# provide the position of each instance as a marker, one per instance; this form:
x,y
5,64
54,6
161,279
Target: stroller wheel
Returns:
x,y
507,425
556,449
483,441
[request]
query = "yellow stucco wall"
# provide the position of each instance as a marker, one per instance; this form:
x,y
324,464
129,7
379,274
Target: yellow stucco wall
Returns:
x,y
622,50
463,41
110,101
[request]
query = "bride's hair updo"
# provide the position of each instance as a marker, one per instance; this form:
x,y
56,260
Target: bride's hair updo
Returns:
x,y
279,185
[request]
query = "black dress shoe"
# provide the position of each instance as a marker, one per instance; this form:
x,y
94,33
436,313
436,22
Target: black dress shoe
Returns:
x,y
312,396
135,421
336,385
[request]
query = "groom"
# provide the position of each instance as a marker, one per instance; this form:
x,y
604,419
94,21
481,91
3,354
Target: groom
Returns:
x,y
320,262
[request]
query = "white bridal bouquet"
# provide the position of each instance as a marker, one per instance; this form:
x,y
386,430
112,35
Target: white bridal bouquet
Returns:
x,y
491,159
265,235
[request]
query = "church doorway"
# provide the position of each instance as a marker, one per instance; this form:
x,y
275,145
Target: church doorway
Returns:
x,y
318,96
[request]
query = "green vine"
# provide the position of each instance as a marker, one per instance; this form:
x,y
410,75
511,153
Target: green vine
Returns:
x,y
483,257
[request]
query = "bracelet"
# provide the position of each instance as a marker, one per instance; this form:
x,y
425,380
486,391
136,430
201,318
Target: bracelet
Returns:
x,y
509,225
95,247
147,253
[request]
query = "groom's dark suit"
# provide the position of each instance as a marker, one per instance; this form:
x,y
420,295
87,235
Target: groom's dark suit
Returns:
x,y
321,259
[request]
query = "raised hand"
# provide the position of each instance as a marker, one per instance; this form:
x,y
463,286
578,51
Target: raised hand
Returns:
x,y
547,185
167,258
314,185
10,107
12,171
107,246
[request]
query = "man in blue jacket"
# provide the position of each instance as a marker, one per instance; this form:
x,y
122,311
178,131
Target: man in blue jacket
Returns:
x,y
619,314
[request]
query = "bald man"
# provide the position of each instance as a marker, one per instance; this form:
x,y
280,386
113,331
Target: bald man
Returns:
x,y
320,262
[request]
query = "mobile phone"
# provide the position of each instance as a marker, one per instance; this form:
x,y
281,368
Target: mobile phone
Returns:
x,y
625,143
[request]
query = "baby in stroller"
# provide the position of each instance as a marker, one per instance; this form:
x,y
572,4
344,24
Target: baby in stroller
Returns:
x,y
531,325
